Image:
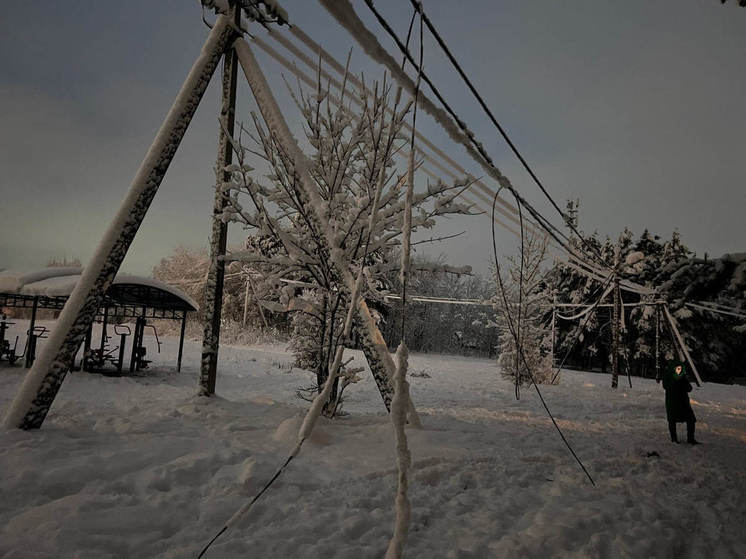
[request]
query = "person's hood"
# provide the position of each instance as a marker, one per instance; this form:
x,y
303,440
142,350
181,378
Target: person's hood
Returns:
x,y
675,363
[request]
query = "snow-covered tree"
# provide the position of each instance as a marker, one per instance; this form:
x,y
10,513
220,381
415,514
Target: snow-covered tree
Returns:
x,y
352,158
524,316
668,267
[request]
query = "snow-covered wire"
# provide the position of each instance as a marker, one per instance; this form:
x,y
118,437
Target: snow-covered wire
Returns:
x,y
418,6
705,307
589,308
508,210
343,12
605,287
403,507
451,122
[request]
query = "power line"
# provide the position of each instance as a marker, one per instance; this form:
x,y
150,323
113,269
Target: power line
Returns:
x,y
312,45
418,6
522,355
345,14
310,82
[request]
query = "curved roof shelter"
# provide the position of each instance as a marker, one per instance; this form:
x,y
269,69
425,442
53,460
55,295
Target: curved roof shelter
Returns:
x,y
128,295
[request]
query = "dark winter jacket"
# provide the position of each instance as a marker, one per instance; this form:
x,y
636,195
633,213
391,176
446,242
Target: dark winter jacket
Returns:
x,y
677,386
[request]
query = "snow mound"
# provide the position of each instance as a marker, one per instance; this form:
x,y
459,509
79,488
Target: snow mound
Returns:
x,y
287,431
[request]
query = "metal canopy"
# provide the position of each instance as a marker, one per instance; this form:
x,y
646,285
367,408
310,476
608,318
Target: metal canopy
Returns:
x,y
128,296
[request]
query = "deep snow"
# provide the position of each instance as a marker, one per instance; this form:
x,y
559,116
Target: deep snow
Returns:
x,y
141,467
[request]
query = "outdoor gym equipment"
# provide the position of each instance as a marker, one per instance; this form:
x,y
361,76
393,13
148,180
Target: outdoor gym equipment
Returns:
x,y
7,352
121,330
33,335
139,351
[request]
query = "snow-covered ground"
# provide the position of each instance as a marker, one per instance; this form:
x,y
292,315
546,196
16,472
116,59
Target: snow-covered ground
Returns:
x,y
141,467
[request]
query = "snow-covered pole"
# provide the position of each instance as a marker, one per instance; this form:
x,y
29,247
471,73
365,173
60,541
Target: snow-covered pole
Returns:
x,y
403,455
615,335
554,326
682,345
657,342
615,323
219,232
39,388
316,211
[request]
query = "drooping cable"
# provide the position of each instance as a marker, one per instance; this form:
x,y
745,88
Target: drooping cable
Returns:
x,y
418,6
250,503
474,147
519,349
272,116
588,316
520,305
407,221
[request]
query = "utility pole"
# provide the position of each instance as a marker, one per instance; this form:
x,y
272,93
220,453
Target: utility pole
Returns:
x,y
657,342
37,393
554,325
615,325
219,234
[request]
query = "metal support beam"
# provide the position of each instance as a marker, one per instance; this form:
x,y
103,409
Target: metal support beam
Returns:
x,y
35,396
30,343
181,342
219,233
103,330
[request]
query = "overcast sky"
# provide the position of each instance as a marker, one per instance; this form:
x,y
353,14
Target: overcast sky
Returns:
x,y
638,108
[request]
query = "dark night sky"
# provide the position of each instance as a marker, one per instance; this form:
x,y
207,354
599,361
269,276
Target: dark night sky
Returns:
x,y
635,107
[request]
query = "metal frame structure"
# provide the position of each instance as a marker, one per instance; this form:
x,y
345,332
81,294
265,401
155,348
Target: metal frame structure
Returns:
x,y
122,300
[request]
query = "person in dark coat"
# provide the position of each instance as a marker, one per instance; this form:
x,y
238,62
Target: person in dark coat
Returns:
x,y
678,407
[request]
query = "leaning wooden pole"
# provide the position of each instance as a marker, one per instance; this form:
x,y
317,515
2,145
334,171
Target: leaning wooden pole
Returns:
x,y
219,232
682,345
39,388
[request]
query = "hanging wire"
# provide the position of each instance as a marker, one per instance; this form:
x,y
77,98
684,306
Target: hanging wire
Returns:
x,y
520,304
254,500
582,327
406,250
561,238
297,448
523,355
418,6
